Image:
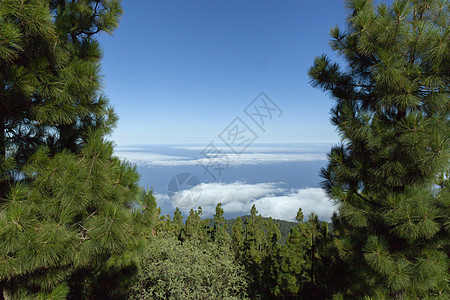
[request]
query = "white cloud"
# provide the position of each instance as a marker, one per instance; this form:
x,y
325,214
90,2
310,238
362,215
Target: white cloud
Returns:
x,y
161,198
153,159
270,199
263,149
257,158
129,148
285,207
150,159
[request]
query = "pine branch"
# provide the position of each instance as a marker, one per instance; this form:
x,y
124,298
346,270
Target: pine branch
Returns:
x,y
367,200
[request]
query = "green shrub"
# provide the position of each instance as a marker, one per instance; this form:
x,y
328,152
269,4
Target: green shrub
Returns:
x,y
189,270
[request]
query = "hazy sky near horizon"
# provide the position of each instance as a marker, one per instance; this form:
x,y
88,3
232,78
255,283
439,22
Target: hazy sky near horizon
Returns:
x,y
181,71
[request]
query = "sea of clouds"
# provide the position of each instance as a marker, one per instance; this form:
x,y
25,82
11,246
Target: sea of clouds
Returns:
x,y
151,159
272,199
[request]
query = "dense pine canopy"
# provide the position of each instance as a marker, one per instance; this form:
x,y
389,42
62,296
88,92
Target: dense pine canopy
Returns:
x,y
66,217
390,174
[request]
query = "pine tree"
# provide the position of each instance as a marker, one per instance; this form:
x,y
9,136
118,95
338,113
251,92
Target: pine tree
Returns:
x,y
162,222
271,261
177,222
254,251
314,235
219,230
293,261
26,60
392,108
237,238
191,226
254,237
69,227
334,274
195,228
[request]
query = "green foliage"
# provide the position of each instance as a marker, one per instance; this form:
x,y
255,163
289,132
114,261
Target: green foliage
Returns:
x,y
283,226
177,222
237,238
392,107
270,262
68,217
171,269
254,241
219,231
195,228
303,267
75,213
292,262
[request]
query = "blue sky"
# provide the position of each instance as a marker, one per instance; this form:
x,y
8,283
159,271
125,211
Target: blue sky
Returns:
x,y
180,71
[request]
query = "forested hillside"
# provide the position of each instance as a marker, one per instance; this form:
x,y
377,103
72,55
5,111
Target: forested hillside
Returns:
x,y
248,251
283,226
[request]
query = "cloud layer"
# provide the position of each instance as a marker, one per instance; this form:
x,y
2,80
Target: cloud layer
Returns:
x,y
265,148
271,200
150,159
